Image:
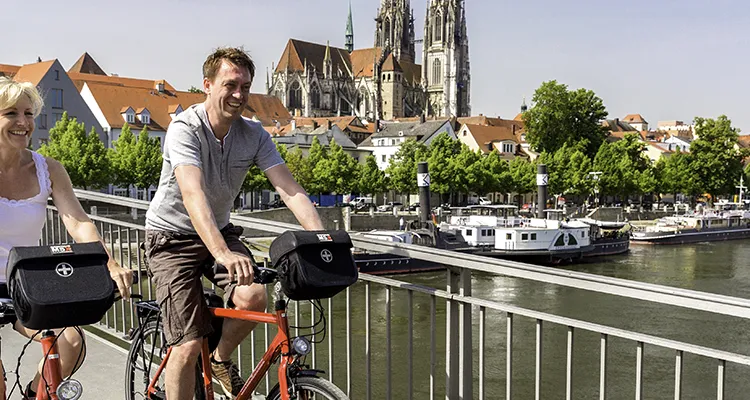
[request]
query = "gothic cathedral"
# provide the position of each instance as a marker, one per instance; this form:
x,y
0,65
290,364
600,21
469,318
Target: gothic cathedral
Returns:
x,y
382,82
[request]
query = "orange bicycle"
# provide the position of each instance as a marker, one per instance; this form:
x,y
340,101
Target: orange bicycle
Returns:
x,y
149,354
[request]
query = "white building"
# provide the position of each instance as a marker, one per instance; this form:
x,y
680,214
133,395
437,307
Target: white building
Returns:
x,y
385,143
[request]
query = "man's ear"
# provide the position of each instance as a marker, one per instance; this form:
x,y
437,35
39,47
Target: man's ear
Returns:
x,y
206,86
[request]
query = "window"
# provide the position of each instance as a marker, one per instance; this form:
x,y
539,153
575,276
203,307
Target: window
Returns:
x,y
315,98
508,148
383,157
436,72
468,232
393,142
508,236
533,236
146,119
572,240
57,116
130,118
437,30
524,236
41,121
57,75
295,95
56,98
560,240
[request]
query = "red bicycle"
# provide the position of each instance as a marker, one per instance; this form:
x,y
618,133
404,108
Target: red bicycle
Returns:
x,y
148,354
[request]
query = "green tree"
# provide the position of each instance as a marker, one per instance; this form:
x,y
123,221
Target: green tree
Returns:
x,y
194,89
371,180
443,170
337,172
83,156
402,171
625,168
122,158
300,168
522,176
469,175
148,160
498,177
560,116
317,154
255,180
715,161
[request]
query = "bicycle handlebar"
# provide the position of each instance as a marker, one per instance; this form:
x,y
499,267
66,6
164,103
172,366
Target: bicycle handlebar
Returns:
x,y
261,275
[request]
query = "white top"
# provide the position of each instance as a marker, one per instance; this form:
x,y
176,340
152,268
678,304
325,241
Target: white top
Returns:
x,y
21,221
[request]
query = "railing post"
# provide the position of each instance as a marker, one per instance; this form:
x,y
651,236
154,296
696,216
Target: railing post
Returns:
x,y
466,369
452,337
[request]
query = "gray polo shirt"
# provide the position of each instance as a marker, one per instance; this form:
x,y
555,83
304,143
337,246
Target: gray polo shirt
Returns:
x,y
190,141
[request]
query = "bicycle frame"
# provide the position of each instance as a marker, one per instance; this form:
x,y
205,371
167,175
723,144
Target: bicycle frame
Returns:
x,y
52,373
279,347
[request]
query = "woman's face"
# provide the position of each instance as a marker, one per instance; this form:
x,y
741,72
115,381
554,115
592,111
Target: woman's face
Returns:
x,y
17,124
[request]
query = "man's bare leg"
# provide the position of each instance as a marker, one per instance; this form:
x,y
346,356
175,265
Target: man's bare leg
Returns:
x,y
180,370
250,298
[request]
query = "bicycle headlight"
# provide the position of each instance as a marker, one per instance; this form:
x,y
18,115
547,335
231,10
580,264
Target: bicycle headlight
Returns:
x,y
301,345
69,389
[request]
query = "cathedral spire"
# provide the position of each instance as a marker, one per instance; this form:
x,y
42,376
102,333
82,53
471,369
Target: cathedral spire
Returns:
x,y
349,31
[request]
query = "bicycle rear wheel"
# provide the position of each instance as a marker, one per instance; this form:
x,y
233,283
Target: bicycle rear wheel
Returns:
x,y
147,351
311,387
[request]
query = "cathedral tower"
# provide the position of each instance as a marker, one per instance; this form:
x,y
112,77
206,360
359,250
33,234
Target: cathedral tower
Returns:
x,y
445,66
349,46
394,29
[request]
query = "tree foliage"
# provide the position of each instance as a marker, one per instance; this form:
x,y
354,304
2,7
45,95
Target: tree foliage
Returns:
x,y
402,171
715,162
83,156
561,117
371,180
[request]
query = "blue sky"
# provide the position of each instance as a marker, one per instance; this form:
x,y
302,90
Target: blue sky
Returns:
x,y
664,59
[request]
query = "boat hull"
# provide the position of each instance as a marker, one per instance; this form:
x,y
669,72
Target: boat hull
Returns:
x,y
691,236
609,247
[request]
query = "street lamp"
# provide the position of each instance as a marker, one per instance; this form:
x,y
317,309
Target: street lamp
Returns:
x,y
595,176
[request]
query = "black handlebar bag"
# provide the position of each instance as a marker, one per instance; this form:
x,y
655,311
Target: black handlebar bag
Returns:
x,y
313,264
60,286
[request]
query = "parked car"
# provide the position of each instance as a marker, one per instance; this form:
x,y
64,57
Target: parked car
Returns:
x,y
276,203
412,207
389,206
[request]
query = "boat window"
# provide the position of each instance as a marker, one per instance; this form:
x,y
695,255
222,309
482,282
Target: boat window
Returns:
x,y
468,232
573,240
560,240
524,236
508,236
583,234
533,236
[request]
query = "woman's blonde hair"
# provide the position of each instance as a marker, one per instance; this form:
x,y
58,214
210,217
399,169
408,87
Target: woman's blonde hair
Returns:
x,y
11,91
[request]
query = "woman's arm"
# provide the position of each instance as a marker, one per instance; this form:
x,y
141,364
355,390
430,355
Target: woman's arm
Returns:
x,y
78,224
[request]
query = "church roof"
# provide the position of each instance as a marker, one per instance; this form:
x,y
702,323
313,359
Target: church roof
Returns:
x,y
391,64
412,72
363,60
87,65
297,52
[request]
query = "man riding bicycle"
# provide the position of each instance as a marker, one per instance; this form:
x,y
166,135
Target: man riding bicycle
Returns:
x,y
207,152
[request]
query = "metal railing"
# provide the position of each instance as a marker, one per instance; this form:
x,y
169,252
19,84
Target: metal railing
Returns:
x,y
460,346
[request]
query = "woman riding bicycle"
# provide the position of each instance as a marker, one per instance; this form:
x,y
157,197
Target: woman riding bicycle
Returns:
x,y
27,180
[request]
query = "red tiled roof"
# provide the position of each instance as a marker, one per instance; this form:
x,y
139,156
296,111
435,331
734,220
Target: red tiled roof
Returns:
x,y
34,72
484,135
87,65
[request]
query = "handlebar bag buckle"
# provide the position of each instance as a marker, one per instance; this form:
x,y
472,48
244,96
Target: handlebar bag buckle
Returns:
x,y
60,286
313,264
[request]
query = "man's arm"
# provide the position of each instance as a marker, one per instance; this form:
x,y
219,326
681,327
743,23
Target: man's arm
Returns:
x,y
190,180
295,197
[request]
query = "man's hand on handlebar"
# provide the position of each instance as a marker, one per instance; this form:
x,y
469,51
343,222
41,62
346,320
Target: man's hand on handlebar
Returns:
x,y
239,267
123,278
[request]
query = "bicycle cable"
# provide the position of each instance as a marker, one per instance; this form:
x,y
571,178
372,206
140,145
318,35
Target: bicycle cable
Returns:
x,y
18,365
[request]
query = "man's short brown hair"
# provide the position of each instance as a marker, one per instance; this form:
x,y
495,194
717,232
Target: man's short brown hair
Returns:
x,y
234,55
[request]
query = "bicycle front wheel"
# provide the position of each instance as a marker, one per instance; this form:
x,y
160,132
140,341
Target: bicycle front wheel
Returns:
x,y
311,387
147,351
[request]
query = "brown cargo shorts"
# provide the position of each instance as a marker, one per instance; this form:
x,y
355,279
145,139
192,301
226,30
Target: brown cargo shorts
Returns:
x,y
176,264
